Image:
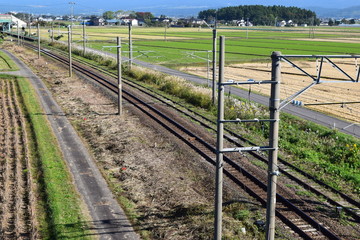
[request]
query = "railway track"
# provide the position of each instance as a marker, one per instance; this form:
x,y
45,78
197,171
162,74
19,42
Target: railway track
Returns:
x,y
300,222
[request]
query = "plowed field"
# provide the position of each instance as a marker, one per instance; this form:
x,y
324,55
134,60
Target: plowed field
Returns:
x,y
15,181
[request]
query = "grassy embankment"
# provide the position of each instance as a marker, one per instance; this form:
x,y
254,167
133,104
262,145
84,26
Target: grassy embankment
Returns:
x,y
6,64
58,206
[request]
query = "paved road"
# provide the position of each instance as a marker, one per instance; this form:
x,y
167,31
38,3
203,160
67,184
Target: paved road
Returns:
x,y
316,117
109,219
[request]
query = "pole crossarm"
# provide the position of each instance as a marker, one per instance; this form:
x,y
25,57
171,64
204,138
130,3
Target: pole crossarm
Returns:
x,y
249,81
325,58
317,79
247,120
112,46
192,55
341,70
297,67
292,97
247,149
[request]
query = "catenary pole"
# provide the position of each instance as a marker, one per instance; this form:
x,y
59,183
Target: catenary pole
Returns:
x,y
18,33
219,145
84,39
38,34
118,41
130,45
69,46
214,65
273,170
52,31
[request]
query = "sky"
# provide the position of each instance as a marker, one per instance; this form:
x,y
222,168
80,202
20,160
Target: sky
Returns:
x,y
154,6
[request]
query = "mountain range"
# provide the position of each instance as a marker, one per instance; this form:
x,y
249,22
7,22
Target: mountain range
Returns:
x,y
351,12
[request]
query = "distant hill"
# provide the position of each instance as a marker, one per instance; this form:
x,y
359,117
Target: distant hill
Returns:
x,y
351,12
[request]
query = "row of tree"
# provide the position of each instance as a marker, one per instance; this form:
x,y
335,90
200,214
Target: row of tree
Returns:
x,y
261,15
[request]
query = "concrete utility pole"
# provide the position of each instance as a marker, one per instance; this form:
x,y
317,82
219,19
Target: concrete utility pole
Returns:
x,y
273,170
18,33
165,31
130,45
38,33
214,65
69,46
84,39
118,40
52,32
29,26
220,145
72,11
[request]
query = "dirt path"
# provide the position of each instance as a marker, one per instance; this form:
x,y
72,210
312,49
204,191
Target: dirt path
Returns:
x,y
15,192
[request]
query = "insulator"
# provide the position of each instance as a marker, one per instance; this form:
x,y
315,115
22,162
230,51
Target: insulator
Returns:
x,y
297,103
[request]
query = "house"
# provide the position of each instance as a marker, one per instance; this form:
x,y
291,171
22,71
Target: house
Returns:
x,y
113,22
242,23
127,20
45,19
97,21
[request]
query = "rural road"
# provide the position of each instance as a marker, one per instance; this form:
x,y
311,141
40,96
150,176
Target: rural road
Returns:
x,y
316,117
109,220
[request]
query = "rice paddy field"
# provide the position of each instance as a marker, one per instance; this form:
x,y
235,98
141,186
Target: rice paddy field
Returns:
x,y
247,52
187,46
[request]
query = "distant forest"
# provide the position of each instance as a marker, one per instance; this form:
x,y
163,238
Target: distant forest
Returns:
x,y
261,15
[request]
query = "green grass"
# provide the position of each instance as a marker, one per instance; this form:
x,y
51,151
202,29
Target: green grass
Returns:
x,y
58,206
239,48
6,64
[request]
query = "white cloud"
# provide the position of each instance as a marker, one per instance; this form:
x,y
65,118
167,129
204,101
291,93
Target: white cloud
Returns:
x,y
38,6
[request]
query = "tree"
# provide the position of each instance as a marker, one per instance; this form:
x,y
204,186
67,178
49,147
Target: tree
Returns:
x,y
109,15
331,22
261,15
144,15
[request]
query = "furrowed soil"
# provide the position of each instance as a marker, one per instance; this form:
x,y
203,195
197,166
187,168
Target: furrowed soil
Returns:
x,y
16,208
167,190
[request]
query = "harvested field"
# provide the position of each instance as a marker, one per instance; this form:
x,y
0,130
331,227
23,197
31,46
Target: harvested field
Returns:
x,y
15,182
291,83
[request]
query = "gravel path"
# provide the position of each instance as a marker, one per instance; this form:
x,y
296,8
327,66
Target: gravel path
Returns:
x,y
109,219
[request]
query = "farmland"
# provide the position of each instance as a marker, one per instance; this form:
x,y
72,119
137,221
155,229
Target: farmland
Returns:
x,y
247,55
172,47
